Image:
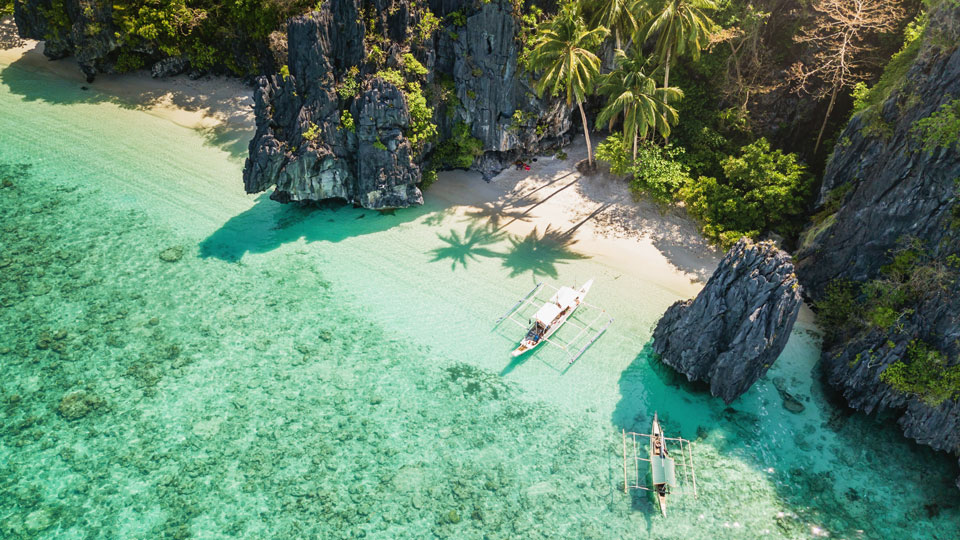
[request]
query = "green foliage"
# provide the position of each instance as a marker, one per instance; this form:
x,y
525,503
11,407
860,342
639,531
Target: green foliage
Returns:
x,y
412,67
346,121
563,54
422,128
6,7
561,155
457,18
925,374
459,151
833,201
894,72
312,132
429,23
526,31
378,144
350,85
940,129
839,309
285,72
207,32
763,190
911,276
657,171
375,55
428,178
128,61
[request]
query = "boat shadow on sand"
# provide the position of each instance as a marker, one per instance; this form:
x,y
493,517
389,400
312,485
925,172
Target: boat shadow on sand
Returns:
x,y
268,225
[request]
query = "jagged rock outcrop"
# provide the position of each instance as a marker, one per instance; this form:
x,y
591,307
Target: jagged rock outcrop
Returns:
x,y
472,79
734,330
887,190
82,29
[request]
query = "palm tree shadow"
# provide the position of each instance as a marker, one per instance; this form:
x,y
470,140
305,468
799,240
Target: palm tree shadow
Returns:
x,y
468,247
540,253
502,210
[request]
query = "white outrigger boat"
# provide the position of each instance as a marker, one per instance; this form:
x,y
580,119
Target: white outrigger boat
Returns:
x,y
663,467
551,316
554,313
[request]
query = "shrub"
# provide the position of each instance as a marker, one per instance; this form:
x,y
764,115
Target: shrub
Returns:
x,y
657,171
428,178
429,23
412,66
763,190
312,132
346,121
839,309
459,151
939,130
350,85
285,72
925,374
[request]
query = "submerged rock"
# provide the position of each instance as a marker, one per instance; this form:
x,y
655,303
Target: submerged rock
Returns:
x,y
733,331
78,404
172,254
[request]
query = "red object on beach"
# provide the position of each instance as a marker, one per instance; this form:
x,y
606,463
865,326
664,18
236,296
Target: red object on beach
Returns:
x,y
526,167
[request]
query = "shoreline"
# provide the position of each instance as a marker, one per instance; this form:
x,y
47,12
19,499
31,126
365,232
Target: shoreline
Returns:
x,y
594,215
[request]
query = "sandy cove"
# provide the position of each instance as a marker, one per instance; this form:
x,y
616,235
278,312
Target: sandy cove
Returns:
x,y
595,215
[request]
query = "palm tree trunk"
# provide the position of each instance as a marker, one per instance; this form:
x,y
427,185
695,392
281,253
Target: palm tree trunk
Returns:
x,y
635,145
666,84
833,99
586,133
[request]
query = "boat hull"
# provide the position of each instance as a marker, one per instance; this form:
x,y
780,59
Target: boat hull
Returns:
x,y
528,345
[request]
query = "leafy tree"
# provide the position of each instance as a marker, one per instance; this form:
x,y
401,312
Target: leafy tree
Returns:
x,y
679,27
657,171
634,96
563,52
763,190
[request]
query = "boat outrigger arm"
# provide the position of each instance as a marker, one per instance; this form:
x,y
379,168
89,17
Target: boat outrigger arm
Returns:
x,y
589,332
663,471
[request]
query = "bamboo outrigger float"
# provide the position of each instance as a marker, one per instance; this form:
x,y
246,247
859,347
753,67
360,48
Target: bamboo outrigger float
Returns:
x,y
663,474
553,313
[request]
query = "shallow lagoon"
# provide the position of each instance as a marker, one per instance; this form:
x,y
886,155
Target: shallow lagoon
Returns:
x,y
334,373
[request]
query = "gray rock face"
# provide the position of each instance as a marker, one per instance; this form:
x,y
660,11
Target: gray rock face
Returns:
x,y
893,189
88,35
375,164
738,325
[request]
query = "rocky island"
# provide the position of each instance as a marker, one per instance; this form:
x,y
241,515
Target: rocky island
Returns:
x,y
734,330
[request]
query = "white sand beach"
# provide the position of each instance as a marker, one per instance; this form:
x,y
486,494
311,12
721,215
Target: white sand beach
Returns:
x,y
597,213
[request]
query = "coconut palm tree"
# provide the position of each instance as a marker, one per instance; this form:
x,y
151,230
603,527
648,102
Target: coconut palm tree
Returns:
x,y
679,26
563,52
634,96
621,17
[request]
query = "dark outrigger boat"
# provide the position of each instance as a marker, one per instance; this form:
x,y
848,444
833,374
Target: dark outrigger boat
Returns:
x,y
663,467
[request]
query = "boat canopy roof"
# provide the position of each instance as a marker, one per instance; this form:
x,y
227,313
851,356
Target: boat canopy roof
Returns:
x,y
663,470
547,313
566,296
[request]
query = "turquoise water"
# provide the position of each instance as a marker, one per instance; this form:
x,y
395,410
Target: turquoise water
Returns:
x,y
334,373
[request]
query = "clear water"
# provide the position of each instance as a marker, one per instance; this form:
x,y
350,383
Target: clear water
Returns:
x,y
334,373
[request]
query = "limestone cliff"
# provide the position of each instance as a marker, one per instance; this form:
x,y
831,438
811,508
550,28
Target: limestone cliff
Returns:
x,y
890,216
738,325
358,80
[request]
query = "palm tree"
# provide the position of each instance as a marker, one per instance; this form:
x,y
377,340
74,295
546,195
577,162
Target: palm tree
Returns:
x,y
622,17
563,53
679,26
634,95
